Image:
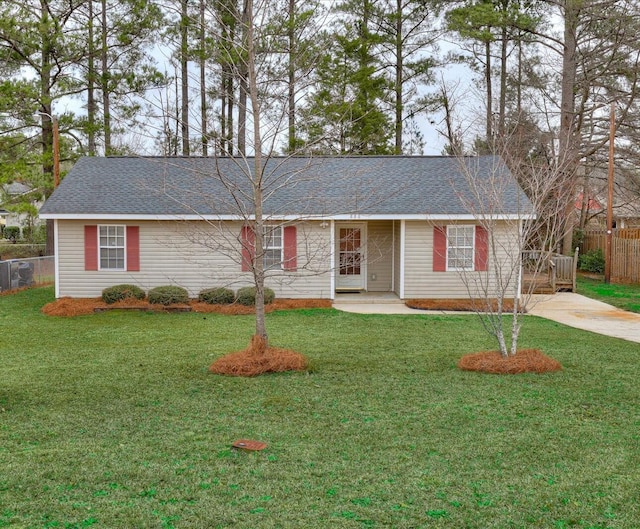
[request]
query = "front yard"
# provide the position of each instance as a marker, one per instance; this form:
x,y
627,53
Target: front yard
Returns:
x,y
112,420
625,297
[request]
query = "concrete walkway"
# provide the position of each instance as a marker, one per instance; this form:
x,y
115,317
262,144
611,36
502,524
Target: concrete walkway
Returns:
x,y
567,308
588,314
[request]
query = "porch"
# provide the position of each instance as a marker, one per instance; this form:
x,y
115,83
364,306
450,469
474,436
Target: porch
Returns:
x,y
548,272
364,297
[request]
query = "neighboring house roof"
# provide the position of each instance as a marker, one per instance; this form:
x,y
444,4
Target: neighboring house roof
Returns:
x,y
16,189
332,187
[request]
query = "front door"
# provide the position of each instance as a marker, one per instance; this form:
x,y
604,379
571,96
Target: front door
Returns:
x,y
351,263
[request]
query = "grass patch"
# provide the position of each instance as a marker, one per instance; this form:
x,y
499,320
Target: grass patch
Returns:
x,y
112,420
626,297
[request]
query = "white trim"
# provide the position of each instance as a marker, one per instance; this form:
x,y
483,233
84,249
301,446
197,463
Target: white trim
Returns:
x,y
363,275
56,262
277,266
403,235
124,248
473,248
393,256
284,218
332,259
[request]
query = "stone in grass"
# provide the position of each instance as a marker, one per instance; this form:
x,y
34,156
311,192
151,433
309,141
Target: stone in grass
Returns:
x,y
249,445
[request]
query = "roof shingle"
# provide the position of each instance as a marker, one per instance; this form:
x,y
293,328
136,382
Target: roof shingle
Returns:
x,y
327,186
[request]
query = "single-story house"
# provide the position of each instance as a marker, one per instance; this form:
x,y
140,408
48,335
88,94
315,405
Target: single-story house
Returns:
x,y
12,193
396,224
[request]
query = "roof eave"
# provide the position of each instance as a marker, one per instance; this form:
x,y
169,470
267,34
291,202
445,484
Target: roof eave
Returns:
x,y
344,217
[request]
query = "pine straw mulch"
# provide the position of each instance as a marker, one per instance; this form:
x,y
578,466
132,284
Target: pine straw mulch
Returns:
x,y
524,361
257,359
67,307
457,304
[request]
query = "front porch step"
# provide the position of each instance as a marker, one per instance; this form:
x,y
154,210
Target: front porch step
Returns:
x,y
367,297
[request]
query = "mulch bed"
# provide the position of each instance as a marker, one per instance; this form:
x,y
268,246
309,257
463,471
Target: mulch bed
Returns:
x,y
524,361
456,304
258,359
67,307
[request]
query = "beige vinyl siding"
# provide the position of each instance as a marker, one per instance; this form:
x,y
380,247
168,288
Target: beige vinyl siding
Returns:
x,y
422,282
379,255
195,256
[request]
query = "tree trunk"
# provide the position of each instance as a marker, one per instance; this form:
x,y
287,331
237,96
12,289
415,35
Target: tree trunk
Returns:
x,y
291,96
259,273
91,77
399,67
567,155
503,83
184,77
243,67
106,95
487,80
203,83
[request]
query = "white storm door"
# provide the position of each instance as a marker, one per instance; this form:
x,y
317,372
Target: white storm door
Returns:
x,y
350,273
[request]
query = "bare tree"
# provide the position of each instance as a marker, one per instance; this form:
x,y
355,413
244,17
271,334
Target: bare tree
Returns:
x,y
520,230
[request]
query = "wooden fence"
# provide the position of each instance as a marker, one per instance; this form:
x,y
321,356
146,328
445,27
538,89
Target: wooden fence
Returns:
x,y
625,252
625,260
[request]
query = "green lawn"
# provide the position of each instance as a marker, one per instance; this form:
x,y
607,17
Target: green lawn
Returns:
x,y
112,420
626,297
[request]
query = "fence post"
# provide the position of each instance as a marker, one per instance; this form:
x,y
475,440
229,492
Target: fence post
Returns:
x,y
574,271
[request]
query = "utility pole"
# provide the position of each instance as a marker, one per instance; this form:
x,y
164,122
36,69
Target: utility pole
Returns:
x,y
55,170
608,252
55,151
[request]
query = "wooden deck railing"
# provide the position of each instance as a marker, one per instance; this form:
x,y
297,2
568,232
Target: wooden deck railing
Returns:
x,y
550,270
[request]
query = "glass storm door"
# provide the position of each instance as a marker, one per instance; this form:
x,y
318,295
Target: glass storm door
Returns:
x,y
350,273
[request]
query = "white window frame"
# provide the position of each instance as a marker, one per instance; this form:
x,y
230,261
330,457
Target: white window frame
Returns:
x,y
452,245
271,233
116,246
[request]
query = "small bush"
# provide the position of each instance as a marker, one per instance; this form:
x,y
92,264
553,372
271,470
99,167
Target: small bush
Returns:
x,y
120,292
35,234
247,296
11,233
167,295
592,261
217,296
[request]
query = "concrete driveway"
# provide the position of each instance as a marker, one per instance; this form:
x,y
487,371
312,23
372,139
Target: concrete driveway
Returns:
x,y
588,314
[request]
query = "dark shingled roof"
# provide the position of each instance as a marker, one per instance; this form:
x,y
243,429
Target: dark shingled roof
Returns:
x,y
329,186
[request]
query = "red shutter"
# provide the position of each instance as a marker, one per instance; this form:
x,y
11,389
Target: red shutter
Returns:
x,y
290,249
439,248
133,248
248,242
482,249
91,247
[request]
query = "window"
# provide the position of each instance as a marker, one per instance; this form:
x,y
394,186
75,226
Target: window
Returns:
x,y
111,241
272,259
460,250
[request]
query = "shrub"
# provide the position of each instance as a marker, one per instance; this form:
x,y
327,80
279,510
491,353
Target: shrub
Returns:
x,y
35,234
592,261
11,233
120,292
247,296
217,296
167,295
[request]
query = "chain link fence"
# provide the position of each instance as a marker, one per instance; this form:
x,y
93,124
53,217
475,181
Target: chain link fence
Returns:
x,y
33,271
